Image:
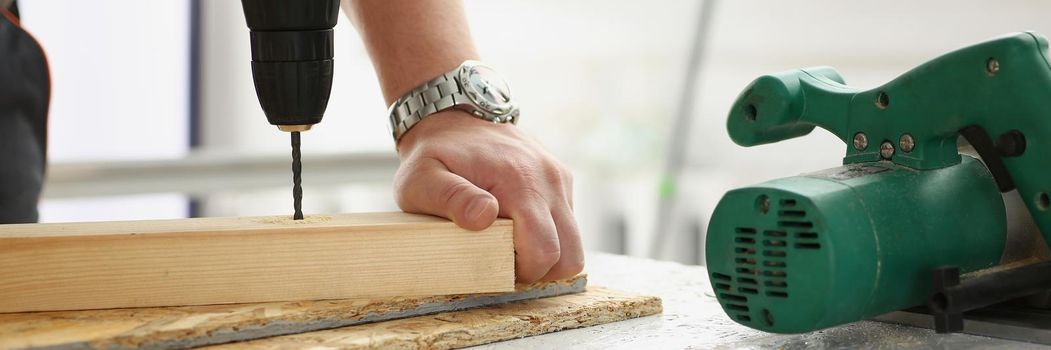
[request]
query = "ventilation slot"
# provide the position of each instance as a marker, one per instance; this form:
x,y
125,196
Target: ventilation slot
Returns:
x,y
722,286
795,224
773,233
744,318
745,240
747,280
733,297
776,294
748,290
788,202
774,243
720,276
738,307
806,235
792,213
776,284
808,245
746,261
771,263
743,250
746,271
773,253
770,273
746,230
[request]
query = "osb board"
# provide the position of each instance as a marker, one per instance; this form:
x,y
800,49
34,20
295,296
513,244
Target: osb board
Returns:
x,y
450,330
206,261
181,327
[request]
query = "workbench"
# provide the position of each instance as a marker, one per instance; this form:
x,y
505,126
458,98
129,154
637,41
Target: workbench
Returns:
x,y
692,318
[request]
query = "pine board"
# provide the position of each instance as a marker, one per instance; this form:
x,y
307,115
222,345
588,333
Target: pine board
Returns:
x,y
104,265
458,329
188,326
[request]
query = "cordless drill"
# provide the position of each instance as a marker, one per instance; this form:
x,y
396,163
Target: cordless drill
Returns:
x,y
292,67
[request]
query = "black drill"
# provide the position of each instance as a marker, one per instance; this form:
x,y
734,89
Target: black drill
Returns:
x,y
292,67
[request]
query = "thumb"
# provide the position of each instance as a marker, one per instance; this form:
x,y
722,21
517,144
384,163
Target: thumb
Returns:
x,y
428,187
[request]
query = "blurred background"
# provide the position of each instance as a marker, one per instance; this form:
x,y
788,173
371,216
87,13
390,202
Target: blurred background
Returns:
x,y
153,112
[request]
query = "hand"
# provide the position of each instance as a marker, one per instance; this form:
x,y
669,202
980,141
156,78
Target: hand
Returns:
x,y
471,171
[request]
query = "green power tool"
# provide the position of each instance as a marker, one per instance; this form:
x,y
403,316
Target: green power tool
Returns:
x,y
895,226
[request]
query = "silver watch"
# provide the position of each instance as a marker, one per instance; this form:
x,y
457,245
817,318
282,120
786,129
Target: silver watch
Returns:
x,y
473,87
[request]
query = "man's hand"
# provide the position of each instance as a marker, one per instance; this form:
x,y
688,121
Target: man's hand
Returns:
x,y
471,171
455,165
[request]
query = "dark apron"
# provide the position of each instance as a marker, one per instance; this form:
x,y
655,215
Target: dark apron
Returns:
x,y
25,89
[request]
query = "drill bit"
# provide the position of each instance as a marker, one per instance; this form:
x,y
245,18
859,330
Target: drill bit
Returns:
x,y
297,178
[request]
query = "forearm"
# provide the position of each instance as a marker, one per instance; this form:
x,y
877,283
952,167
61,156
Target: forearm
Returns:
x,y
411,41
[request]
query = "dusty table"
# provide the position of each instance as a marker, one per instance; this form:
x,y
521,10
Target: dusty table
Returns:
x,y
692,318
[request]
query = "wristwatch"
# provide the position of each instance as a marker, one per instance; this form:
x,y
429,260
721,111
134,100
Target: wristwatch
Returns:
x,y
473,87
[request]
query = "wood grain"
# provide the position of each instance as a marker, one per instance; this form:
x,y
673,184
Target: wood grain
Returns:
x,y
450,330
189,326
101,265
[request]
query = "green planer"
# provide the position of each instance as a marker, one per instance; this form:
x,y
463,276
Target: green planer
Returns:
x,y
916,216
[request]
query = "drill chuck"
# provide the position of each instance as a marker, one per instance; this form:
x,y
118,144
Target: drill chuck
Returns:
x,y
292,50
804,253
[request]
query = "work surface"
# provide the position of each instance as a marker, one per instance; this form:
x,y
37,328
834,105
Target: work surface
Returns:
x,y
692,318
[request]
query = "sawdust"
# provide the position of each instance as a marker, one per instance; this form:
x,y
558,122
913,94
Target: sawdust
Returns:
x,y
287,220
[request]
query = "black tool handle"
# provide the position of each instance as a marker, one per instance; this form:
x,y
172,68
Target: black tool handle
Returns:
x,y
292,57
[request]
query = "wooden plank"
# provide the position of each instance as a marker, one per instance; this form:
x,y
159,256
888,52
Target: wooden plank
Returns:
x,y
458,329
249,259
190,326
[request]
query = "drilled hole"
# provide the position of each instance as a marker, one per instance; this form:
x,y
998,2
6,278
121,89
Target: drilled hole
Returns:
x,y
750,112
882,100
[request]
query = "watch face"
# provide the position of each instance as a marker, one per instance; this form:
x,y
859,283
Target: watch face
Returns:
x,y
487,89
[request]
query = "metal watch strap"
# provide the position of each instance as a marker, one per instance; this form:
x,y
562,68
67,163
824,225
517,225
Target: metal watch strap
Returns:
x,y
437,94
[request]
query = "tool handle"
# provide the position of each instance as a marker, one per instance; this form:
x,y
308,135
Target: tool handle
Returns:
x,y
790,104
999,89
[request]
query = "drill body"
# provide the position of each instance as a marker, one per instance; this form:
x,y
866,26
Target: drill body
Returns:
x,y
292,53
292,49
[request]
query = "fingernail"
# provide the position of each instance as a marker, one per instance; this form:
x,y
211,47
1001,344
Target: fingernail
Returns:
x,y
476,208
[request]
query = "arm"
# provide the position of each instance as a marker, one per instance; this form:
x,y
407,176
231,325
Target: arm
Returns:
x,y
460,167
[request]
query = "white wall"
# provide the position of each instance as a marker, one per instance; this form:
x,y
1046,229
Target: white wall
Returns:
x,y
119,91
599,81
